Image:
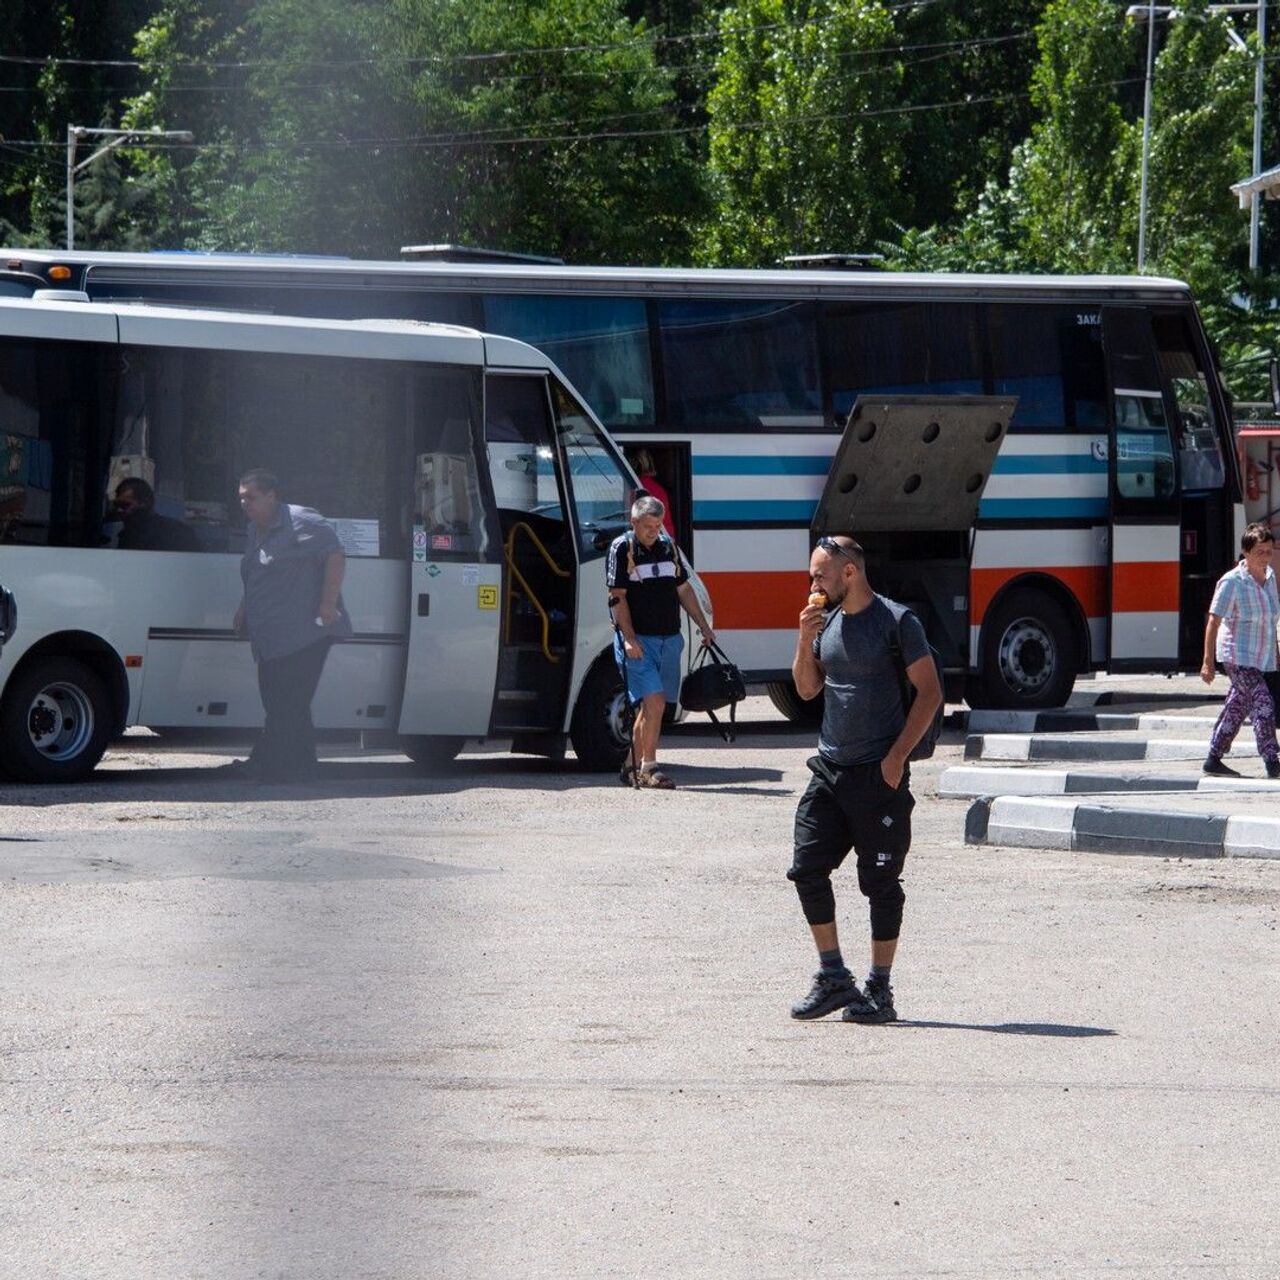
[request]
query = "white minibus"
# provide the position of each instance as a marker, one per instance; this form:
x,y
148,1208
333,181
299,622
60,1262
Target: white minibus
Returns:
x,y
474,495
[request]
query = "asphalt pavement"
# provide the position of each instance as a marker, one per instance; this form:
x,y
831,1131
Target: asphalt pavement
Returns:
x,y
515,1020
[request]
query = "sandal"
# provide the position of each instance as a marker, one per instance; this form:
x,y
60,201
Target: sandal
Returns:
x,y
657,779
627,775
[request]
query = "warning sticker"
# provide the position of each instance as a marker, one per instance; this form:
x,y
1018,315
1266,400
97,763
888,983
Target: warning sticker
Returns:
x,y
487,597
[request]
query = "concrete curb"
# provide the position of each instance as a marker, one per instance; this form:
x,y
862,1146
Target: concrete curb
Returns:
x,y
1057,823
1069,721
987,780
1025,746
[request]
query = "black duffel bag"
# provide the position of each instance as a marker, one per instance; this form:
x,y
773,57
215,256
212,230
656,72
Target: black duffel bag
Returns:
x,y
713,682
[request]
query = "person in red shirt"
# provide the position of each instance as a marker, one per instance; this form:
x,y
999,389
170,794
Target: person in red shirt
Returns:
x,y
642,461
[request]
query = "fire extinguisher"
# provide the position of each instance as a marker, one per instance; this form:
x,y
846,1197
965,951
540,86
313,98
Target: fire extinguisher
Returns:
x,y
1251,474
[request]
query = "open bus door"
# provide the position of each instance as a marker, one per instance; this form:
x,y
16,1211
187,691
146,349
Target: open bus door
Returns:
x,y
1145,534
455,574
906,481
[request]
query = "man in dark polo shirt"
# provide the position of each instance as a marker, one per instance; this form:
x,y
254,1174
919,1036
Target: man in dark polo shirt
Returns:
x,y
647,589
292,571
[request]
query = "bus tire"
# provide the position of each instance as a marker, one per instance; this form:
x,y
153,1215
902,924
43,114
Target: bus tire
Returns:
x,y
1029,654
55,722
600,728
783,695
432,754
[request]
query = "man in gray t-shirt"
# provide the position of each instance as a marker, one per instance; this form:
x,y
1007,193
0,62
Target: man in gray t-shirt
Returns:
x,y
859,797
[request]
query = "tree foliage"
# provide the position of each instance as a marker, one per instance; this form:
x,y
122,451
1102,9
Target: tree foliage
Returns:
x,y
1002,135
805,150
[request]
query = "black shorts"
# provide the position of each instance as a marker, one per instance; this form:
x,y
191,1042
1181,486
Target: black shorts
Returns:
x,y
854,808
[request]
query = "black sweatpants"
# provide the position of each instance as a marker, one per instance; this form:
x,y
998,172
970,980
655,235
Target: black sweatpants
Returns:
x,y
853,808
287,685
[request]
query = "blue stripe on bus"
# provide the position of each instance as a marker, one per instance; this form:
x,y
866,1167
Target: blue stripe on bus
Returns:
x,y
797,512
819,464
705,464
1049,464
1040,508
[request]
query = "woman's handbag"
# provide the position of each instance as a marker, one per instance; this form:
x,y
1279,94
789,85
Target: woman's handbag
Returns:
x,y
713,682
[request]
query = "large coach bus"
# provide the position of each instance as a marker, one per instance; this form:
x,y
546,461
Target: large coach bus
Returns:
x,y
474,495
1082,496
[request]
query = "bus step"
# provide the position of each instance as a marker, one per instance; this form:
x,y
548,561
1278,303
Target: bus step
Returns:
x,y
517,695
525,664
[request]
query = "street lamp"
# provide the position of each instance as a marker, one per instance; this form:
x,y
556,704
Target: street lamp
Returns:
x,y
1147,12
75,132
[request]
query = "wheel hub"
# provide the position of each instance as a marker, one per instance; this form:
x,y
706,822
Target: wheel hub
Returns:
x,y
60,721
1027,657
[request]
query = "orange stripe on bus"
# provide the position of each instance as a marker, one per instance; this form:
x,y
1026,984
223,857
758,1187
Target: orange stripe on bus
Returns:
x,y
757,601
1145,586
1088,583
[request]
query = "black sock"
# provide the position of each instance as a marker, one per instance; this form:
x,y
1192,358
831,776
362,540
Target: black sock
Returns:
x,y
880,974
832,961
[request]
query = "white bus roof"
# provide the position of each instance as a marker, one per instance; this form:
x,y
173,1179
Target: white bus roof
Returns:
x,y
163,326
642,280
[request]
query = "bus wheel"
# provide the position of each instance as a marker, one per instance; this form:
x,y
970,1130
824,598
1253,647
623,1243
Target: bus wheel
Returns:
x,y
54,722
783,695
431,754
600,730
1029,656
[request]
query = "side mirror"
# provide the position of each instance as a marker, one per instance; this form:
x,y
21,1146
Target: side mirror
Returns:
x,y
1274,370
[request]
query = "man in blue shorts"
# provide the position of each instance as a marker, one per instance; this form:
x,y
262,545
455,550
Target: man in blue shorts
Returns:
x,y
647,589
859,796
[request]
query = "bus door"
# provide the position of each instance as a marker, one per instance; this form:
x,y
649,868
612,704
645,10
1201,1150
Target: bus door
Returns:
x,y
455,572
1207,483
1145,532
539,560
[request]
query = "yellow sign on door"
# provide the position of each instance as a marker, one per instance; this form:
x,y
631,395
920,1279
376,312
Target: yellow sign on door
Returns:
x,y
486,597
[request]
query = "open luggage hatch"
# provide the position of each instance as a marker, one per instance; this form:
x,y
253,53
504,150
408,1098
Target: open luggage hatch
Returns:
x,y
912,463
906,481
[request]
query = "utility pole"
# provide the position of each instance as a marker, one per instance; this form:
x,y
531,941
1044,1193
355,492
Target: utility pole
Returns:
x,y
1259,74
76,132
1147,13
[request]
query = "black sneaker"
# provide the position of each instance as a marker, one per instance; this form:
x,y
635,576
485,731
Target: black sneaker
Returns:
x,y
1213,765
1273,767
830,991
879,1002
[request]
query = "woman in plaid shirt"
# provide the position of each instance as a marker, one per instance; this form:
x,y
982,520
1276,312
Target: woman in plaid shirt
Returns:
x,y
1241,634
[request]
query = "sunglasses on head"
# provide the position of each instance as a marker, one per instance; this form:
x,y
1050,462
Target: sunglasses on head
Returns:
x,y
834,548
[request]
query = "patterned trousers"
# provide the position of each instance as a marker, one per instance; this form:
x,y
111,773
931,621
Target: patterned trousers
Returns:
x,y
1249,696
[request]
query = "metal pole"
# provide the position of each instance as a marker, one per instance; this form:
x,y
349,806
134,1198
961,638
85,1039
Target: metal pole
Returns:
x,y
1146,135
72,136
1259,75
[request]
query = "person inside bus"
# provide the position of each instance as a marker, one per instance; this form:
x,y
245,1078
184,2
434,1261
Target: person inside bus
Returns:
x,y
642,464
1241,634
648,587
292,612
142,528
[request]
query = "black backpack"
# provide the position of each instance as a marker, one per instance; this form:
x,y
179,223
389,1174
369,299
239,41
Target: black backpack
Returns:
x,y
713,682
924,748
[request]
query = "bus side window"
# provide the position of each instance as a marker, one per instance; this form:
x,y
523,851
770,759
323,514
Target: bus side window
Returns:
x,y
448,509
1199,451
1144,459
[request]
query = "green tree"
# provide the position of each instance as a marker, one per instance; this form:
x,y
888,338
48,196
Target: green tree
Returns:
x,y
805,146
550,128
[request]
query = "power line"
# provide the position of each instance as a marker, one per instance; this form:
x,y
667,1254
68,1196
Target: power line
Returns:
x,y
503,136
944,49
492,55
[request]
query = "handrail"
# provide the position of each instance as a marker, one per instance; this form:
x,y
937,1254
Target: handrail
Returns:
x,y
508,550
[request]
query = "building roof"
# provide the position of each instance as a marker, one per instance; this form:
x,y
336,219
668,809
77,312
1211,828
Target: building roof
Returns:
x,y
1267,182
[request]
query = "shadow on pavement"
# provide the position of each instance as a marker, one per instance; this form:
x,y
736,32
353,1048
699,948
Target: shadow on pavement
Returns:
x,y
1013,1028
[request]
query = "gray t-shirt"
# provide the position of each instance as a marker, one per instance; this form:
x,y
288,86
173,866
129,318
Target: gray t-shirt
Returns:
x,y
863,712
